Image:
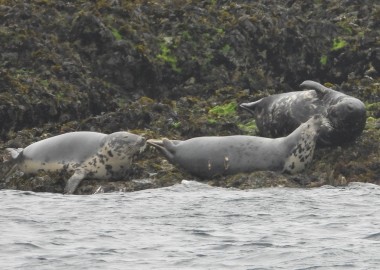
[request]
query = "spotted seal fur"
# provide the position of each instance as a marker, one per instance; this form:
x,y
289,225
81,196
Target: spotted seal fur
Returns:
x,y
278,115
84,154
207,157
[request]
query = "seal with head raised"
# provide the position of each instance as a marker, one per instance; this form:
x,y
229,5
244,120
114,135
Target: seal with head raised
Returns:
x,y
207,157
278,115
87,155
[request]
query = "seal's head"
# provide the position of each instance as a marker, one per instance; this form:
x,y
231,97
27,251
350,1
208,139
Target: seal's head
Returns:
x,y
315,127
347,117
306,137
123,143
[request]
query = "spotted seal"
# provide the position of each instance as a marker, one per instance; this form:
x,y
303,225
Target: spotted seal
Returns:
x,y
207,157
84,154
278,115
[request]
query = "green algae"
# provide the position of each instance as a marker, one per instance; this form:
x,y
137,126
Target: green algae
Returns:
x,y
116,34
338,44
167,56
228,109
248,127
373,109
323,60
226,49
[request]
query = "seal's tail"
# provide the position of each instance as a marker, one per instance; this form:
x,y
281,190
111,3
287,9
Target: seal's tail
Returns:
x,y
155,143
250,106
165,146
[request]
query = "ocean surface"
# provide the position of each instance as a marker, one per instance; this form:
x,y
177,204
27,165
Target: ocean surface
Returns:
x,y
193,226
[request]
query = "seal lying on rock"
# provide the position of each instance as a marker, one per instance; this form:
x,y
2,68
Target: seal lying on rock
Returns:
x,y
207,157
88,155
278,115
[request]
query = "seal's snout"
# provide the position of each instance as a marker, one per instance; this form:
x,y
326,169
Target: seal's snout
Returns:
x,y
321,124
137,142
323,128
142,143
326,124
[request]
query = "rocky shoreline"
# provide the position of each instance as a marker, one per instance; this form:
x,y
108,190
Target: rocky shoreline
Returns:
x,y
178,69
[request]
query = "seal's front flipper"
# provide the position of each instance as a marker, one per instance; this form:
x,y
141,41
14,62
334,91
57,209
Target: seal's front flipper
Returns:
x,y
5,175
250,106
317,87
74,181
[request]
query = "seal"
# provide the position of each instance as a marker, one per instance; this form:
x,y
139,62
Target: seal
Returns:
x,y
278,115
208,157
87,155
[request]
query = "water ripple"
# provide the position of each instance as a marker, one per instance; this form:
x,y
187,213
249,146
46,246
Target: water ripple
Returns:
x,y
193,226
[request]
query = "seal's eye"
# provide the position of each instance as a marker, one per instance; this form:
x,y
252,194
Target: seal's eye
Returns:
x,y
333,113
350,108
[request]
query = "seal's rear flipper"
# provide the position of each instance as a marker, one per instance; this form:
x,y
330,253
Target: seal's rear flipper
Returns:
x,y
165,146
155,142
250,106
74,181
14,152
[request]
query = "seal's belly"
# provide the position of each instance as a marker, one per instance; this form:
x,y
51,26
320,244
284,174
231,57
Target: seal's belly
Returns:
x,y
94,171
33,166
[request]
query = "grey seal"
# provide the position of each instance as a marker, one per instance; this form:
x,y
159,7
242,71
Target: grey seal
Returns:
x,y
87,155
278,115
207,157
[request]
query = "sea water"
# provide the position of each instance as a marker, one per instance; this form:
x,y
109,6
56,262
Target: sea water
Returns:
x,y
193,226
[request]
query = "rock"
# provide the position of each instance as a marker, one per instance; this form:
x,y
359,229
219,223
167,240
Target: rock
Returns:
x,y
158,68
